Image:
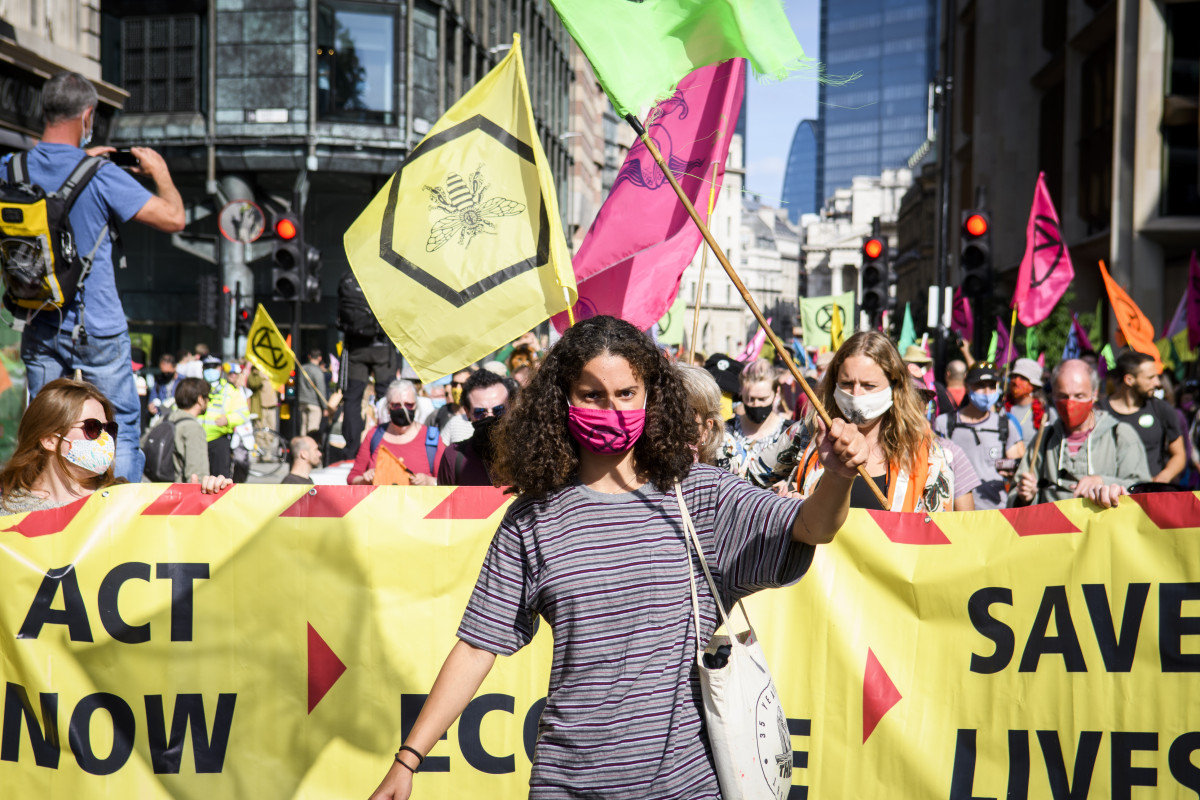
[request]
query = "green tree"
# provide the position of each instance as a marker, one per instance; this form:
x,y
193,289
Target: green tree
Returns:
x,y
1052,332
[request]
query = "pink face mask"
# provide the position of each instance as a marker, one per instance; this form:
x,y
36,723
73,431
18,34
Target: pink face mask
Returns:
x,y
603,430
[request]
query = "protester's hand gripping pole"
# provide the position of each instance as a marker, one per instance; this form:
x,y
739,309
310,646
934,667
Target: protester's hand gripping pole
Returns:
x,y
741,287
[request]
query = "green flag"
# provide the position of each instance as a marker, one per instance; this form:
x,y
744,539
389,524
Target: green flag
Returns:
x,y
1110,360
1097,323
640,50
816,316
1032,345
908,332
991,356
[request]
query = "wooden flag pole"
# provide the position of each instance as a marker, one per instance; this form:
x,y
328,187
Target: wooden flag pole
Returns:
x,y
741,287
1008,346
319,393
712,196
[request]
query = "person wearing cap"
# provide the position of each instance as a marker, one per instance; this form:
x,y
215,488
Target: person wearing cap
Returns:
x,y
727,371
991,439
1133,402
1086,452
226,410
919,363
1022,401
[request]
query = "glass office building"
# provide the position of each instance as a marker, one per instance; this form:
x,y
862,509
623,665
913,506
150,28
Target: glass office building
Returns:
x,y
878,120
800,180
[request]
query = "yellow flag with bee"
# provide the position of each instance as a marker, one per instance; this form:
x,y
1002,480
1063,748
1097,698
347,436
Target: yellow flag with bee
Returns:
x,y
462,250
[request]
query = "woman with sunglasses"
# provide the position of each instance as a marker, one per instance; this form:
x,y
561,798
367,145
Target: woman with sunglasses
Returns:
x,y
419,448
594,449
65,448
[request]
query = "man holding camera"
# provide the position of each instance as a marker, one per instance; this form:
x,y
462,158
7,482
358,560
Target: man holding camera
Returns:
x,y
56,343
990,438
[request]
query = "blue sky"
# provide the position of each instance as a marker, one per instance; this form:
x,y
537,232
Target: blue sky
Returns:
x,y
774,110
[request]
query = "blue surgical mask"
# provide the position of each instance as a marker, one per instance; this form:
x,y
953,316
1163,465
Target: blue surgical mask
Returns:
x,y
984,400
212,375
438,402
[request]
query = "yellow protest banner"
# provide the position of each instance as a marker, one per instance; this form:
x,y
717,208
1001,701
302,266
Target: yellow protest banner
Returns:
x,y
462,250
268,350
279,641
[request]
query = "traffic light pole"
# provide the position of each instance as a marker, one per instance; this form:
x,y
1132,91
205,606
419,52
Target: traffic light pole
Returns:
x,y
780,349
945,153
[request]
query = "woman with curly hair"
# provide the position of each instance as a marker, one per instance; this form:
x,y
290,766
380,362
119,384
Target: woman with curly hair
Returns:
x,y
868,384
594,544
66,444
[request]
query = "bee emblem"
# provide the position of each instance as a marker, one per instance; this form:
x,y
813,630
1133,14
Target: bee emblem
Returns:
x,y
466,212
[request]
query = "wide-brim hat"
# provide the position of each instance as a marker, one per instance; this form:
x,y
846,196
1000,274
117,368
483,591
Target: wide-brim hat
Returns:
x,y
1028,369
915,354
726,370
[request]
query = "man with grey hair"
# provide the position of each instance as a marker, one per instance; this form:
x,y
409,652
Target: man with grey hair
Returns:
x,y
57,342
417,447
1086,452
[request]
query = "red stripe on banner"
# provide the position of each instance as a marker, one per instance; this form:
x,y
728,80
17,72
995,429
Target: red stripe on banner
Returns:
x,y
908,528
880,695
182,500
324,668
50,521
1038,520
329,502
470,502
1171,510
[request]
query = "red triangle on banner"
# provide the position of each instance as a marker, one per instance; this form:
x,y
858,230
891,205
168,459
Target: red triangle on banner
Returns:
x,y
879,694
48,521
324,668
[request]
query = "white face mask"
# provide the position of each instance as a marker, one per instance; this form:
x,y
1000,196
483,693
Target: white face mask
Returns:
x,y
861,409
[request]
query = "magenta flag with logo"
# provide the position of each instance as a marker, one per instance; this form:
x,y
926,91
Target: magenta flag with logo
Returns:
x,y
753,348
962,321
1193,295
632,259
1004,352
1046,269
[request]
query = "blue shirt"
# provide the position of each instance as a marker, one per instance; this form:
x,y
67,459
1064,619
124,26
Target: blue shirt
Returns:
x,y
110,192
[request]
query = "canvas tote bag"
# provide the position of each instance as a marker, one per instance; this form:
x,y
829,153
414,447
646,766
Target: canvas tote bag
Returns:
x,y
747,728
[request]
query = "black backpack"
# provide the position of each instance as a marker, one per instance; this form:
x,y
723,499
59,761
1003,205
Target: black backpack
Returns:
x,y
159,449
40,260
354,314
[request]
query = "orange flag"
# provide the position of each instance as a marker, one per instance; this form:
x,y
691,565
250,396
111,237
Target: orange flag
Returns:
x,y
1136,329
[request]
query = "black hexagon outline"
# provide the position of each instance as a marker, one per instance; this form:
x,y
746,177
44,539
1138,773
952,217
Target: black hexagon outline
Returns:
x,y
460,298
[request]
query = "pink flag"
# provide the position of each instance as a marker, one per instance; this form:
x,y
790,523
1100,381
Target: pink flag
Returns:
x,y
1004,352
1178,322
634,255
962,321
1193,295
754,348
1046,269
1084,342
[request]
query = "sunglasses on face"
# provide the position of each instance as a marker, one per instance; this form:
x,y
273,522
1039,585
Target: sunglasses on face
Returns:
x,y
93,427
399,406
495,411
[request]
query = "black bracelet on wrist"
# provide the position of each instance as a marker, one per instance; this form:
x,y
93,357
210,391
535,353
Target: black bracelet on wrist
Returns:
x,y
405,765
420,758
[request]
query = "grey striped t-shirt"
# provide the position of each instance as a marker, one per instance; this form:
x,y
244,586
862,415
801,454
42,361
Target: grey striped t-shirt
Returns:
x,y
608,572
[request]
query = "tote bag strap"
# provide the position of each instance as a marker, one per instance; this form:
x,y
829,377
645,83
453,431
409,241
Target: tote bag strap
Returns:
x,y
694,542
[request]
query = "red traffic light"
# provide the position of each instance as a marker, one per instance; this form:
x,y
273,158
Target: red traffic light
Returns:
x,y
873,248
285,228
976,225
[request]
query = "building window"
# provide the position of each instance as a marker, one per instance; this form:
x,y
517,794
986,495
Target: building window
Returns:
x,y
356,63
1181,113
1096,138
425,67
160,58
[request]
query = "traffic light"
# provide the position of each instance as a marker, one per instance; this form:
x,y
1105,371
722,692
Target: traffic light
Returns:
x,y
312,274
244,319
287,259
875,275
975,254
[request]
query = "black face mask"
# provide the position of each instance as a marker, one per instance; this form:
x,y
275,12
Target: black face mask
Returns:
x,y
401,417
757,414
481,439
